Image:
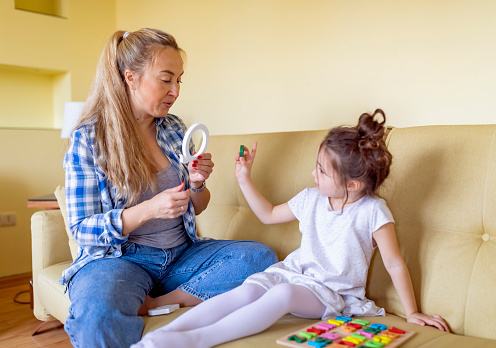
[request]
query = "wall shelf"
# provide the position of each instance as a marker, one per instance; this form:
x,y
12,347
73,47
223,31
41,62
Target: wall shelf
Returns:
x,y
56,8
29,97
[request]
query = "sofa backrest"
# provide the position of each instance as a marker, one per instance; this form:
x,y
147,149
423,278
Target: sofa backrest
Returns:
x,y
282,168
442,192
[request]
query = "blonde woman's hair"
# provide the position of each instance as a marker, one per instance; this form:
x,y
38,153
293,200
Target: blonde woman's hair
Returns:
x,y
120,150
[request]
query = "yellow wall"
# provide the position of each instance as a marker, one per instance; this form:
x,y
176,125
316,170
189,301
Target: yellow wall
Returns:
x,y
70,45
31,167
33,86
44,62
50,7
272,65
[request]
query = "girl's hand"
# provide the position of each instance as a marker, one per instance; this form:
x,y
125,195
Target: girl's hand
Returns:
x,y
244,164
200,169
171,203
431,320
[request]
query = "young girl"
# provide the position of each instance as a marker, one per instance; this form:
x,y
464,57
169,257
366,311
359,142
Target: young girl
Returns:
x,y
341,221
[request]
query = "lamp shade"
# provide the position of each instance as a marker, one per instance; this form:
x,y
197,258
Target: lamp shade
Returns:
x,y
72,111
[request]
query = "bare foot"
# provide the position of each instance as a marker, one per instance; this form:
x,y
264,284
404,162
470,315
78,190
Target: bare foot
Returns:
x,y
179,297
148,304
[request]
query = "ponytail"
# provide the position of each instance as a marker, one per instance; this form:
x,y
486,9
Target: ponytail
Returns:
x,y
120,151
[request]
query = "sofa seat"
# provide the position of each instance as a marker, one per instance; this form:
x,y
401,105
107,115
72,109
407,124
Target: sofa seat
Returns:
x,y
425,337
52,295
52,292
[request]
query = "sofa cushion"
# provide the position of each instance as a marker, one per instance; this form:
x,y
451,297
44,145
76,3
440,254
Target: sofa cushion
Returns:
x,y
282,169
51,292
49,247
60,195
441,192
426,337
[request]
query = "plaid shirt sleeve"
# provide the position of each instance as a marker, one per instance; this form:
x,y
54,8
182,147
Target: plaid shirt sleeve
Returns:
x,y
93,217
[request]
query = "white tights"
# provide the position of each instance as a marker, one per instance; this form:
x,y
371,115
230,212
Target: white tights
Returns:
x,y
241,312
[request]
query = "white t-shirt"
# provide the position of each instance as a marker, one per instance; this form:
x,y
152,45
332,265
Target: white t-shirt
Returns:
x,y
335,252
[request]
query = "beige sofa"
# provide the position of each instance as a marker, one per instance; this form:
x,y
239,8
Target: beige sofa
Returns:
x,y
442,192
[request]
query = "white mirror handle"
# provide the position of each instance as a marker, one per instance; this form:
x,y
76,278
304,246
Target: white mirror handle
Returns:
x,y
186,157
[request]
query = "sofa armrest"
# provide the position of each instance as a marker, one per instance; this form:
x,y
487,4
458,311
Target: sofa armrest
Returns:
x,y
49,246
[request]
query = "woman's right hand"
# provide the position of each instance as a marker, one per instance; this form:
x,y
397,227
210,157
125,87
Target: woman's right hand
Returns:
x,y
244,163
171,203
164,205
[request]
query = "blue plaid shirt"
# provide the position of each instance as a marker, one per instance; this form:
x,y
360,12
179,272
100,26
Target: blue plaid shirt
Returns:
x,y
93,212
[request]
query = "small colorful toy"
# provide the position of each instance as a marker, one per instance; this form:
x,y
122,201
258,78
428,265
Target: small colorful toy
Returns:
x,y
345,332
163,310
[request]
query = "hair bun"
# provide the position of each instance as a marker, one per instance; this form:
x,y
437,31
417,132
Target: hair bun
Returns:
x,y
360,152
370,132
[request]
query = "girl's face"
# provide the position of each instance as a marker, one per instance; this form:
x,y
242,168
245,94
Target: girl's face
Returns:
x,y
326,179
156,90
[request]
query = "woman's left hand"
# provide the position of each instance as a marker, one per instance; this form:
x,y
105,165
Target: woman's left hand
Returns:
x,y
431,320
200,169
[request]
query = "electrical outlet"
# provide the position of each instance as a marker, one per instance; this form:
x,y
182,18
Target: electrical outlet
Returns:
x,y
7,219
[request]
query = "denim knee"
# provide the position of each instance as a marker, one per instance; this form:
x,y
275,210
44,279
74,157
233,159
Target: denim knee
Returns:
x,y
262,256
95,322
212,267
105,297
249,257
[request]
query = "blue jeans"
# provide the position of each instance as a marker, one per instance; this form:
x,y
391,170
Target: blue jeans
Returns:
x,y
107,293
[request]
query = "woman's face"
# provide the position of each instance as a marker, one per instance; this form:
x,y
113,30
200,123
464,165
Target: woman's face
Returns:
x,y
156,90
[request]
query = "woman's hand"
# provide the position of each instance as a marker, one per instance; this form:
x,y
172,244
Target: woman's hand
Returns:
x,y
171,203
200,169
244,163
431,320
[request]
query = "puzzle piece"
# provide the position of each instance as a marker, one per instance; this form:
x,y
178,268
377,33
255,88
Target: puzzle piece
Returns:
x,y
345,332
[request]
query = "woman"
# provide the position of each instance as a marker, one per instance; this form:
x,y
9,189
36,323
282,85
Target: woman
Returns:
x,y
131,204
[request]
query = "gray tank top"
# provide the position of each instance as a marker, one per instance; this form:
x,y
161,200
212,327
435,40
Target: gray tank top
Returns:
x,y
161,233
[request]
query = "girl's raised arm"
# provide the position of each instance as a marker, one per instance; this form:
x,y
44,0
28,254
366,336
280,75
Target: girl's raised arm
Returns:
x,y
263,209
385,238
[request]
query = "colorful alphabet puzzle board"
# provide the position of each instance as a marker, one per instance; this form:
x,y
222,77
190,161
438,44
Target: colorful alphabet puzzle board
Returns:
x,y
345,332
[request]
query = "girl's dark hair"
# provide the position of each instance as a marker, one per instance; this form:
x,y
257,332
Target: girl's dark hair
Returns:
x,y
360,152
